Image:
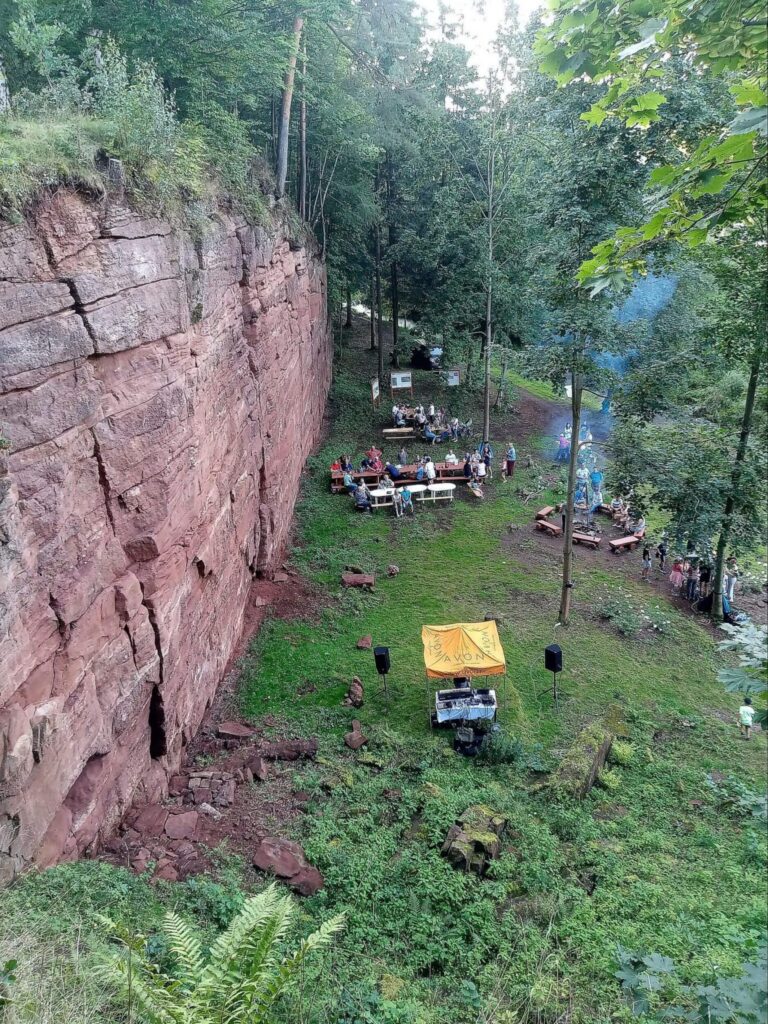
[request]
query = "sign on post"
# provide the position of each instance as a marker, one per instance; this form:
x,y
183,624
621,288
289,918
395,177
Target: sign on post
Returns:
x,y
453,378
401,380
375,392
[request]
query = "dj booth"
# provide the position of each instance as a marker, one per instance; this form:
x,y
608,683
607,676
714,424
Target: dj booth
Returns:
x,y
464,705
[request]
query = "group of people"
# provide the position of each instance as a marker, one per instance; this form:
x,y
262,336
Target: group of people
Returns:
x,y
434,425
563,451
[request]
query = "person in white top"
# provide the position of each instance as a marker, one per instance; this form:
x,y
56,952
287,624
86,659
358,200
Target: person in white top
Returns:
x,y
429,469
451,459
431,412
746,714
481,471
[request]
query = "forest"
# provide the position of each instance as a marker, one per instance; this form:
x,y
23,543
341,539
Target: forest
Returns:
x,y
581,229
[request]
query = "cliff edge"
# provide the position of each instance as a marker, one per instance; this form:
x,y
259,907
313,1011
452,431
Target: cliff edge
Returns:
x,y
160,394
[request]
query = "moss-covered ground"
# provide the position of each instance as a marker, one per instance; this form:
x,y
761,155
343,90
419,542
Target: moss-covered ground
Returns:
x,y
653,860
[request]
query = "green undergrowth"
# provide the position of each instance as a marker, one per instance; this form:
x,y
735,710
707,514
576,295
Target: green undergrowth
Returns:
x,y
656,859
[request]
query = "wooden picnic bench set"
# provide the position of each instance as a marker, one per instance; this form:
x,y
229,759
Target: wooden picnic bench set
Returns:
x,y
445,471
543,523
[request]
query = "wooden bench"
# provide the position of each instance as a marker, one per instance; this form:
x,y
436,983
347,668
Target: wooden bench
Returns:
x,y
545,512
394,432
585,538
547,527
624,544
357,579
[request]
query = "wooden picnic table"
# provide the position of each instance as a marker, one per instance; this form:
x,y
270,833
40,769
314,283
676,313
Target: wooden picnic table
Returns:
x,y
624,544
366,476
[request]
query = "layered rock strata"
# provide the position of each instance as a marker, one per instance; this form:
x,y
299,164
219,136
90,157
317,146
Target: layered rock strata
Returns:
x,y
159,394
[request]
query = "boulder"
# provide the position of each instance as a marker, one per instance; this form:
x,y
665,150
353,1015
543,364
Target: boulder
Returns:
x,y
288,750
150,821
181,826
475,839
579,769
393,570
286,860
234,731
258,769
211,812
355,693
355,739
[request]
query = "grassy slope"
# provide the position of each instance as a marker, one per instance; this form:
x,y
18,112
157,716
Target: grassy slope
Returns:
x,y
424,943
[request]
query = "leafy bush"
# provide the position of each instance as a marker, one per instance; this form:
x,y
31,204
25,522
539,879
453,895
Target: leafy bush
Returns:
x,y
501,749
622,753
739,799
610,779
650,983
627,619
751,677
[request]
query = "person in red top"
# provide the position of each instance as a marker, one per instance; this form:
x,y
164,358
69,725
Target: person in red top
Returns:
x,y
335,466
374,453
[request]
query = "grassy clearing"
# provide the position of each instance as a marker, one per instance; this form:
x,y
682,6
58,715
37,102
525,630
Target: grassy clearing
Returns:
x,y
652,860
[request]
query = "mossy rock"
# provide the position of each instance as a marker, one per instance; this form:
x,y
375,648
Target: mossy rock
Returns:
x,y
475,839
580,767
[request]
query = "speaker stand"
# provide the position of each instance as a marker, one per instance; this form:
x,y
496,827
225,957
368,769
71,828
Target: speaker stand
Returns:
x,y
556,694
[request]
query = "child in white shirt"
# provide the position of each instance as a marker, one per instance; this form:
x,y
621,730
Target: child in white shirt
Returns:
x,y
746,714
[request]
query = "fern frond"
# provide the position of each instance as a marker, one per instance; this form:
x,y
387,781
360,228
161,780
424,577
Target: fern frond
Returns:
x,y
222,968
258,957
135,980
186,948
262,993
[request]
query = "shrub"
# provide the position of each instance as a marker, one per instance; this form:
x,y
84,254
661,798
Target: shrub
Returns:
x,y
623,615
609,779
622,753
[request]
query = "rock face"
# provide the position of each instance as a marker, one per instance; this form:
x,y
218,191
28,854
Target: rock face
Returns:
x,y
160,395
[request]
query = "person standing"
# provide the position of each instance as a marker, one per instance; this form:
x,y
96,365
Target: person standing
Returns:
x,y
691,582
511,459
676,576
402,456
661,554
705,578
431,412
746,714
646,573
731,575
429,470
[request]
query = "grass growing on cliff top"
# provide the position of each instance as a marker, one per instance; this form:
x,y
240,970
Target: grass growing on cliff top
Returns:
x,y
655,859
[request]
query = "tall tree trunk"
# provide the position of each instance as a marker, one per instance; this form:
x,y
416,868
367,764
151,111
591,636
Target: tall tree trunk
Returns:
x,y
502,380
379,321
348,320
567,585
5,94
373,312
392,240
726,527
395,316
285,110
303,136
489,301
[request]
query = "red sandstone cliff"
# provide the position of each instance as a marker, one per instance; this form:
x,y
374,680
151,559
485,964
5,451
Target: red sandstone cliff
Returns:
x,y
160,396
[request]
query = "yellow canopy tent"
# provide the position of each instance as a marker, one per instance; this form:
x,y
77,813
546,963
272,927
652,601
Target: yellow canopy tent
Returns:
x,y
463,649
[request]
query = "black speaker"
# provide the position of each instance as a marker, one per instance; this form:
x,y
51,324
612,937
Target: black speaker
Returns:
x,y
553,658
381,654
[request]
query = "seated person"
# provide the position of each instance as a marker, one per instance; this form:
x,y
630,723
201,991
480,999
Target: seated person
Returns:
x,y
450,459
377,466
346,464
336,466
393,472
365,463
617,506
477,490
386,483
349,483
638,527
362,499
421,419
374,453
400,418
429,435
445,435
467,467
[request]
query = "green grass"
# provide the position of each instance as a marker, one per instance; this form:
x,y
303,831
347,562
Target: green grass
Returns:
x,y
638,864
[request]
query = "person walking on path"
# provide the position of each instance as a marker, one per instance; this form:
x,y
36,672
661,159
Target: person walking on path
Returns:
x,y
746,714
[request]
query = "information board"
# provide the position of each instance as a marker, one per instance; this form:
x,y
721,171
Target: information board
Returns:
x,y
401,380
453,378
